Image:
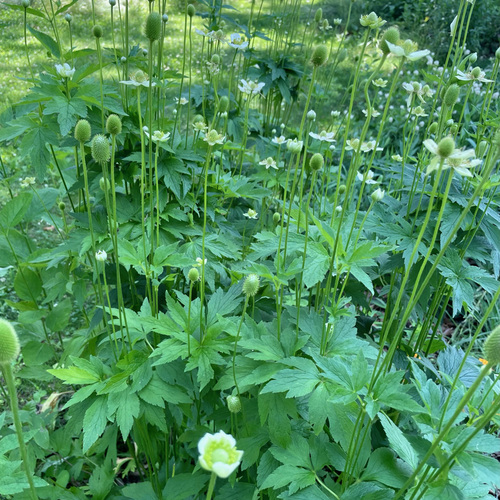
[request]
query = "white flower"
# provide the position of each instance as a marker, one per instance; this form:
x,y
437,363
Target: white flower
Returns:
x,y
279,140
218,453
294,146
375,113
418,111
101,256
453,26
379,82
182,101
337,21
397,158
460,162
250,88
369,146
237,41
27,181
65,70
158,135
334,114
269,162
377,195
251,214
323,136
199,261
368,177
371,21
476,75
200,126
139,79
408,49
213,138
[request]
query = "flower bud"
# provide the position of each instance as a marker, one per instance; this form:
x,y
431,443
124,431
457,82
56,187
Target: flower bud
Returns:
x,y
496,141
113,125
97,31
481,149
433,128
342,189
377,195
215,59
152,28
390,35
451,95
123,59
112,3
223,104
9,343
473,58
191,11
311,115
454,129
446,147
276,218
251,285
82,131
198,119
320,55
497,53
193,274
319,15
100,149
62,206
317,161
164,18
233,404
491,347
25,3
68,18
104,184
342,55
476,72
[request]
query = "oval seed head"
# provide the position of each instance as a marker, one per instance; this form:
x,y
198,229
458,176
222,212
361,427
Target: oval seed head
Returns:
x,y
317,161
446,147
113,125
104,184
152,28
433,128
97,31
451,95
223,104
215,59
233,404
9,343
320,55
82,131
276,218
25,3
198,119
476,72
491,347
191,11
390,35
62,206
193,274
100,149
319,15
342,189
68,18
251,285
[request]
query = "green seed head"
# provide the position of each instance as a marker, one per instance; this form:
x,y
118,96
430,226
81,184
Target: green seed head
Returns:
x,y
25,3
446,147
342,189
100,149
454,129
193,274
320,55
491,347
433,128
68,18
223,104
191,11
276,218
390,35
317,162
62,206
104,184
113,125
233,404
451,95
497,53
97,31
481,149
251,285
319,15
342,55
9,343
496,141
215,59
198,119
476,72
82,131
164,18
152,28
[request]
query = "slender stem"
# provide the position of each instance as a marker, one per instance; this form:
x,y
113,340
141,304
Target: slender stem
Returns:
x,y
211,486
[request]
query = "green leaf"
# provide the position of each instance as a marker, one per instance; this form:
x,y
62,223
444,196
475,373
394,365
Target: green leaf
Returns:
x,y
74,375
139,491
27,284
295,383
443,492
13,211
36,353
126,404
296,477
158,391
58,318
398,441
67,111
223,303
101,481
48,42
275,409
94,421
184,486
385,468
35,143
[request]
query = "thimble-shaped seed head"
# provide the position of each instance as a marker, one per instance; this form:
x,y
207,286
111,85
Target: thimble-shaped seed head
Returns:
x,y
97,31
251,285
451,95
233,404
433,128
100,149
320,55
193,274
319,15
191,11
276,218
113,125
446,147
152,28
82,131
104,184
317,161
223,104
62,206
9,343
491,347
342,188
390,35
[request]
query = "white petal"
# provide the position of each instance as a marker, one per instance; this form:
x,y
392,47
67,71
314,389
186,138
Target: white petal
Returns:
x,y
224,470
396,49
463,171
203,442
431,146
418,54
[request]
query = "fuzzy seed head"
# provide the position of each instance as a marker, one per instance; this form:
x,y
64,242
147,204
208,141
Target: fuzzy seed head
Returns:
x,y
152,28
451,95
476,72
317,162
446,147
319,15
223,104
82,131
251,285
191,11
198,119
390,35
233,404
320,55
193,274
113,125
100,149
491,347
9,343
97,31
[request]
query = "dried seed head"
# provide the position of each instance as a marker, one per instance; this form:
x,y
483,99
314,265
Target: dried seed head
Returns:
x,y
491,347
100,149
9,343
82,131
251,285
320,55
152,28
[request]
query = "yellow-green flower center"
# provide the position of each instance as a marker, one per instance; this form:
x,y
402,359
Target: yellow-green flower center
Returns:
x,y
220,451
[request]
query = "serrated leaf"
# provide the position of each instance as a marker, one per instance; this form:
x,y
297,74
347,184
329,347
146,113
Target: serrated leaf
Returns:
x,y
295,383
184,486
127,406
94,421
48,42
296,477
13,211
74,375
384,467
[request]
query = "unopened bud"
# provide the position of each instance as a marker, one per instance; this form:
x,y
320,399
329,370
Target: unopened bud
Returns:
x,y
233,404
433,128
317,162
82,131
191,11
223,104
320,55
97,31
113,125
319,15
152,28
451,95
193,274
276,218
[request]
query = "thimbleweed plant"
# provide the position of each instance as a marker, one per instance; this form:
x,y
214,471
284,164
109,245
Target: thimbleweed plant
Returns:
x,y
284,227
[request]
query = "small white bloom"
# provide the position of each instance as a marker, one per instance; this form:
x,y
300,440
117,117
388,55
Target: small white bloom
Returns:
x,y
65,70
27,181
218,454
199,261
250,88
397,158
213,138
237,41
182,101
269,162
408,50
294,146
279,140
251,214
101,256
379,82
323,136
368,177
